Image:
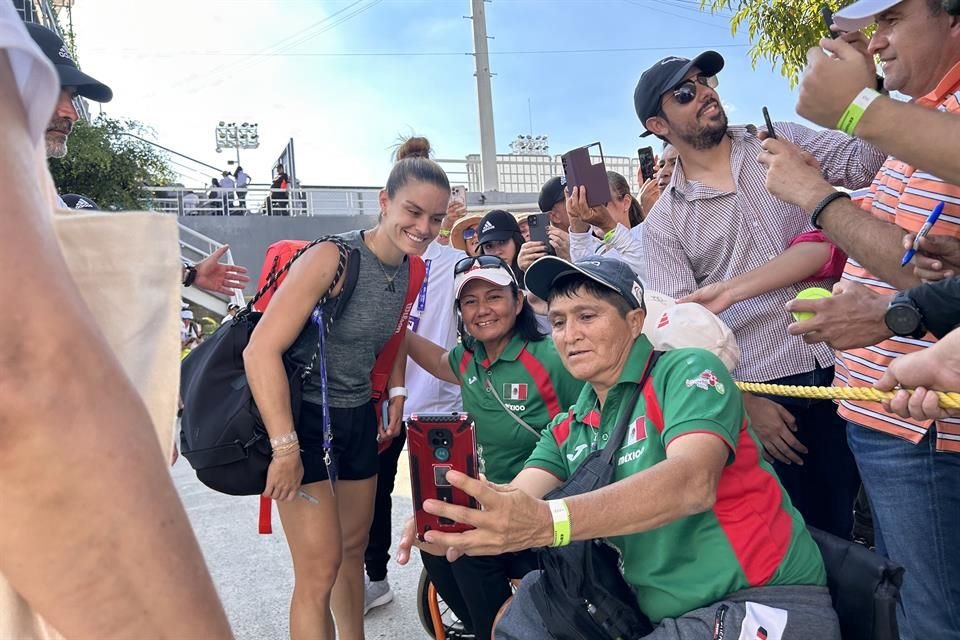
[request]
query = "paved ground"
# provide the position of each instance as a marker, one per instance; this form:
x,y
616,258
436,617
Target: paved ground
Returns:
x,y
254,575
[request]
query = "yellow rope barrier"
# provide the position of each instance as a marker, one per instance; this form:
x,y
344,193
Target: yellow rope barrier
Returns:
x,y
948,399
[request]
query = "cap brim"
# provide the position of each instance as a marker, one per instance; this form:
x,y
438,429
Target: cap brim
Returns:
x,y
87,86
497,276
861,14
456,232
710,63
497,235
543,273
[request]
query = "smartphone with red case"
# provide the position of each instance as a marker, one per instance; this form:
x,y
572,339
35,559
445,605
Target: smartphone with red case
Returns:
x,y
437,443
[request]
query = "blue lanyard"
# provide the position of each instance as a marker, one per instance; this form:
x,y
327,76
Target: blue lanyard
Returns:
x,y
422,296
329,459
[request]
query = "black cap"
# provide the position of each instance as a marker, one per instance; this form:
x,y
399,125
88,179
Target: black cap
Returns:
x,y
70,75
77,201
664,76
551,193
609,272
497,225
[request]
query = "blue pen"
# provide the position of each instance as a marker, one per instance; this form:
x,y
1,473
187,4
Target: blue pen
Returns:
x,y
924,230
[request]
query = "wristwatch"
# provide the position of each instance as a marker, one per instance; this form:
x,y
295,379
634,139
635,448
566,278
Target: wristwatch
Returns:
x,y
191,276
903,317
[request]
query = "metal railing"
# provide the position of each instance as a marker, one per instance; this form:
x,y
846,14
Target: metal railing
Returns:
x,y
263,201
526,174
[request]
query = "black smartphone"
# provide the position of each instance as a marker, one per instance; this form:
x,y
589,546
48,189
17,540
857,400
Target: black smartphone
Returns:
x,y
538,223
647,168
827,14
769,123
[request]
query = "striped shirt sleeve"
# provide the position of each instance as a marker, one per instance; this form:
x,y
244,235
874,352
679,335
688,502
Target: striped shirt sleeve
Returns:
x,y
844,160
668,267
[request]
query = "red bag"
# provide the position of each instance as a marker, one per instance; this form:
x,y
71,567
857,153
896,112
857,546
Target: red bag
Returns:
x,y
279,254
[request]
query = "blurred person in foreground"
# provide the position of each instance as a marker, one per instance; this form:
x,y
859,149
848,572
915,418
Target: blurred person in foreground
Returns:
x,y
101,546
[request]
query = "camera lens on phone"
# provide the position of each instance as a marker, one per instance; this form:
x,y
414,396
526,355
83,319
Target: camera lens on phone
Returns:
x,y
442,454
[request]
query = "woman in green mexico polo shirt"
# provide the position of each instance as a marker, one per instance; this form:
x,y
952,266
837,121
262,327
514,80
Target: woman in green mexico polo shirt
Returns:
x,y
513,384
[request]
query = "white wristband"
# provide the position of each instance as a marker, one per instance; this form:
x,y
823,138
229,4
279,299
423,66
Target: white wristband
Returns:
x,y
396,391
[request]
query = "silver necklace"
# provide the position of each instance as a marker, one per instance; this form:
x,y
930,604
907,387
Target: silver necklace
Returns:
x,y
388,278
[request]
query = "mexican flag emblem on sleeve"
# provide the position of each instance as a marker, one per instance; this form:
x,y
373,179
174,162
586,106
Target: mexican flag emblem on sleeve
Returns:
x,y
515,391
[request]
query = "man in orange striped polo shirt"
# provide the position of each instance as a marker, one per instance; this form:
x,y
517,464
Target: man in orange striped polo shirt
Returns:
x,y
909,468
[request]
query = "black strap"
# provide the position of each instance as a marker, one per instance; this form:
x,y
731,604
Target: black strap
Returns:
x,y
620,431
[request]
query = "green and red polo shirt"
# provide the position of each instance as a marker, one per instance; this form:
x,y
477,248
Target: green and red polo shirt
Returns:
x,y
753,536
530,380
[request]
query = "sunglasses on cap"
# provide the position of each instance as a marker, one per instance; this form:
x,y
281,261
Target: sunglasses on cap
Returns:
x,y
686,91
480,262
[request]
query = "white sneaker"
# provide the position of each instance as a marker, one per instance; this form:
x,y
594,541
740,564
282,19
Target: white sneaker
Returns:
x,y
375,594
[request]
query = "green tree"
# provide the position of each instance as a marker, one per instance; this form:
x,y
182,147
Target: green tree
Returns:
x,y
780,31
110,166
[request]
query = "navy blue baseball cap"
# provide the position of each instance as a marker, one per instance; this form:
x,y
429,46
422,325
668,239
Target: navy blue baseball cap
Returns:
x,y
664,76
609,272
70,75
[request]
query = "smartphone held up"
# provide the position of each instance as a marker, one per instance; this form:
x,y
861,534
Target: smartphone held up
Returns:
x,y
438,443
583,170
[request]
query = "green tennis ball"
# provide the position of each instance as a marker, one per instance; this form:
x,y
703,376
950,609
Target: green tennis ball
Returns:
x,y
811,293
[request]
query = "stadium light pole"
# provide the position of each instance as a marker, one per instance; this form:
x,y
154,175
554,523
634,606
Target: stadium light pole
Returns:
x,y
233,136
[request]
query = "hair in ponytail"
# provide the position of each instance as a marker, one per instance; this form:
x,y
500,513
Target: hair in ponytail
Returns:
x,y
413,163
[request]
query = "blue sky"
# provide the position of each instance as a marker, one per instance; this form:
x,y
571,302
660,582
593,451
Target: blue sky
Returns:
x,y
292,66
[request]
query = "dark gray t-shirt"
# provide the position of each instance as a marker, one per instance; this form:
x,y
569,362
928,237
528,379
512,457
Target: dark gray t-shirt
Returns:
x,y
359,334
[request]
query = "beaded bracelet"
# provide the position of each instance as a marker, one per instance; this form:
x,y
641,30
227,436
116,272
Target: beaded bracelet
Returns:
x,y
286,438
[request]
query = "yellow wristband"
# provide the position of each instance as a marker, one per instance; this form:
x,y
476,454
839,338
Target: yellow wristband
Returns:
x,y
851,117
445,233
561,522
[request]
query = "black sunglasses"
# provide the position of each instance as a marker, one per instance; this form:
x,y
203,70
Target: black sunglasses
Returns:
x,y
686,91
481,262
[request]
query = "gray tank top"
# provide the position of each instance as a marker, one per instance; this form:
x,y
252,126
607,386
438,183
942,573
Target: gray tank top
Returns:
x,y
359,334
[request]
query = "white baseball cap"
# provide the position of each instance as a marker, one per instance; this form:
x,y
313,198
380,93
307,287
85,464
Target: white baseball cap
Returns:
x,y
861,14
488,268
676,326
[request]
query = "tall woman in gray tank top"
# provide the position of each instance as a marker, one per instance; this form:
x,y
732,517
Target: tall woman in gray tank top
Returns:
x,y
327,533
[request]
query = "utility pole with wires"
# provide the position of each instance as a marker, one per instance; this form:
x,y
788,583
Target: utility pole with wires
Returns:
x,y
488,138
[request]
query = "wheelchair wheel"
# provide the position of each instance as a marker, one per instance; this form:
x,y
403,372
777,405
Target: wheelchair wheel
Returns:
x,y
437,619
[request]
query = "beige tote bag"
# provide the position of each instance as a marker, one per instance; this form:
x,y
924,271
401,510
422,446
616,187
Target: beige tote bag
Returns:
x,y
126,267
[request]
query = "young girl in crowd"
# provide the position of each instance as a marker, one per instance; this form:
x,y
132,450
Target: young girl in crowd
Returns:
x,y
810,256
327,531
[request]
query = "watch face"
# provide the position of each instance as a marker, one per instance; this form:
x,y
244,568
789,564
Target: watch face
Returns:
x,y
903,320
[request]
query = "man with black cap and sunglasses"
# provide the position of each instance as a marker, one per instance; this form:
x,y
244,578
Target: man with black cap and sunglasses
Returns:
x,y
716,220
696,549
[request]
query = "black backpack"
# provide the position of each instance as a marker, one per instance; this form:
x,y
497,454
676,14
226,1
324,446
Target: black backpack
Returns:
x,y
222,435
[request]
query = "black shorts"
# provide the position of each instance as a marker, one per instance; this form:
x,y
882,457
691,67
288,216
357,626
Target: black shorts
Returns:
x,y
354,442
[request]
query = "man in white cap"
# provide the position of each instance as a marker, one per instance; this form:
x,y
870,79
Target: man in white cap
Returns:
x,y
910,468
834,76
